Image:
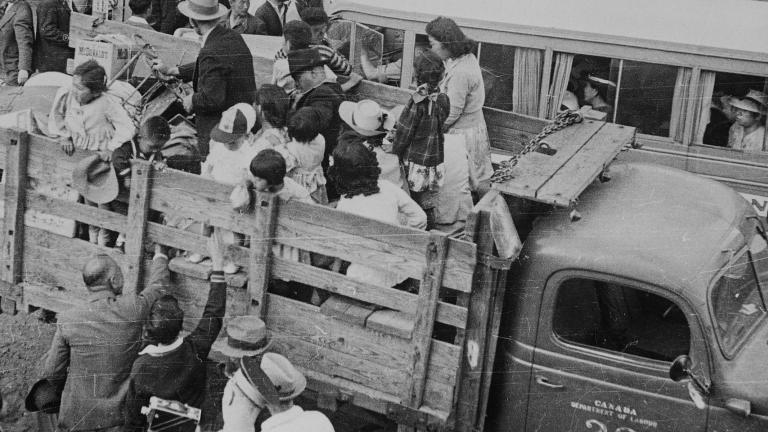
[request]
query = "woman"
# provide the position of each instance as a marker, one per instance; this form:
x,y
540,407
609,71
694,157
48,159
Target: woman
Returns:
x,y
85,117
593,93
463,83
747,132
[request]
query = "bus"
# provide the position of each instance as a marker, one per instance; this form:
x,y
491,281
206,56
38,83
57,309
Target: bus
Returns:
x,y
673,66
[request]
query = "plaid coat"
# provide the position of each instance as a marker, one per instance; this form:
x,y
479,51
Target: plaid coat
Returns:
x,y
419,134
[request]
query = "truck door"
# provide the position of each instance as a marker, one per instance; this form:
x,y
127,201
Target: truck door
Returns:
x,y
602,358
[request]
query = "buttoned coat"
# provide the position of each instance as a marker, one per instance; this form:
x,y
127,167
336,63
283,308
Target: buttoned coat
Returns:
x,y
222,76
270,23
52,43
94,349
248,26
16,38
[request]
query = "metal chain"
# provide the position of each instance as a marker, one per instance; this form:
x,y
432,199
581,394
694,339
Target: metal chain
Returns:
x,y
561,121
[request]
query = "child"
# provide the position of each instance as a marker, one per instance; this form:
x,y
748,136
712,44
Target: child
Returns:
x,y
355,173
146,145
272,106
368,120
304,152
228,160
419,139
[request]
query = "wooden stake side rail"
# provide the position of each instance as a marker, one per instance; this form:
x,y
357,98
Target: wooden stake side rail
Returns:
x,y
387,361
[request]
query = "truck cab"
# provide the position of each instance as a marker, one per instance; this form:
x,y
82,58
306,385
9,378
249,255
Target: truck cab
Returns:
x,y
662,268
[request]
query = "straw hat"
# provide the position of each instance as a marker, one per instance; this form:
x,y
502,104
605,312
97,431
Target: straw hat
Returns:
x,y
758,97
601,81
246,336
367,117
272,376
747,105
202,10
96,180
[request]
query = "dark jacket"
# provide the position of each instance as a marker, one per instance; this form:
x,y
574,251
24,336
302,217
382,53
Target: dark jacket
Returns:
x,y
179,374
52,44
93,350
270,23
326,98
249,26
222,76
165,17
16,39
121,160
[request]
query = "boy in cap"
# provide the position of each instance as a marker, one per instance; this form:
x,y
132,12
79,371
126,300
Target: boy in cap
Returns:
x,y
171,367
312,90
269,381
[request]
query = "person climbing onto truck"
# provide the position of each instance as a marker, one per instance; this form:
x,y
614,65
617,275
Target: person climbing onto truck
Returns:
x,y
185,356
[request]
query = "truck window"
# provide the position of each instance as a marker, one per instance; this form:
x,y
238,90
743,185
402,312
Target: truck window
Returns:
x,y
737,300
620,319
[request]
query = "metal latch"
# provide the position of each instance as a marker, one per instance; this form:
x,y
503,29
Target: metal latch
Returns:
x,y
401,414
494,262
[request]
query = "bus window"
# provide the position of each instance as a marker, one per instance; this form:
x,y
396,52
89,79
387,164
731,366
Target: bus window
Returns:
x,y
593,82
737,113
385,66
497,63
645,97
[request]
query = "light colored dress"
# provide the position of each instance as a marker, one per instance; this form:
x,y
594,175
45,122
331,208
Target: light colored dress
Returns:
x,y
269,138
752,142
463,83
391,205
304,165
453,201
101,125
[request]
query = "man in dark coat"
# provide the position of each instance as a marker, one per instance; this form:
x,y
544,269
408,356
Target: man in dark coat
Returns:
x,y
165,16
16,39
273,14
95,346
223,73
172,367
52,44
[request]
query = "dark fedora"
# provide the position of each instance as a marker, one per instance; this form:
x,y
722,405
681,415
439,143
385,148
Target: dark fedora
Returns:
x,y
43,397
303,59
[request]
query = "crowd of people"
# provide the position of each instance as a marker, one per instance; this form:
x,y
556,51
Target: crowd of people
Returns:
x,y
418,165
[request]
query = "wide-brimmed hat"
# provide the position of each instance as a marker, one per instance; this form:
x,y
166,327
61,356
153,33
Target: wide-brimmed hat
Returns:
x,y
43,397
303,59
235,122
758,97
747,105
366,117
272,376
203,10
600,81
246,336
96,180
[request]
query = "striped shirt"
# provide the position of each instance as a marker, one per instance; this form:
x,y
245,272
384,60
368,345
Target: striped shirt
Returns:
x,y
329,56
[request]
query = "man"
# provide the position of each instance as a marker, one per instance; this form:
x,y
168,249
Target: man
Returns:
x,y
168,351
139,13
269,381
51,49
165,17
240,20
94,346
223,74
273,14
16,38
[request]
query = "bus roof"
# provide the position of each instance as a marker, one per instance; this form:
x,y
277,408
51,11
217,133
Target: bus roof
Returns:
x,y
648,223
728,25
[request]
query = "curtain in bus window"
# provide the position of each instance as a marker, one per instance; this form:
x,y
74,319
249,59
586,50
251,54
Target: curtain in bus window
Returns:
x,y
679,104
560,78
703,101
527,81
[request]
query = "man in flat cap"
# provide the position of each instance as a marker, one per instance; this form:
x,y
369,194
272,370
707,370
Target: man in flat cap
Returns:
x,y
95,345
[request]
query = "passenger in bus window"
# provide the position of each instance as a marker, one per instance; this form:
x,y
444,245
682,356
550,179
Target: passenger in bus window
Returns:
x,y
463,83
721,117
592,91
747,133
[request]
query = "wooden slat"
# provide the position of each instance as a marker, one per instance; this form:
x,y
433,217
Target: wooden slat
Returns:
x,y
436,251
15,176
510,131
407,59
585,166
138,210
534,169
79,212
262,239
387,96
337,283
